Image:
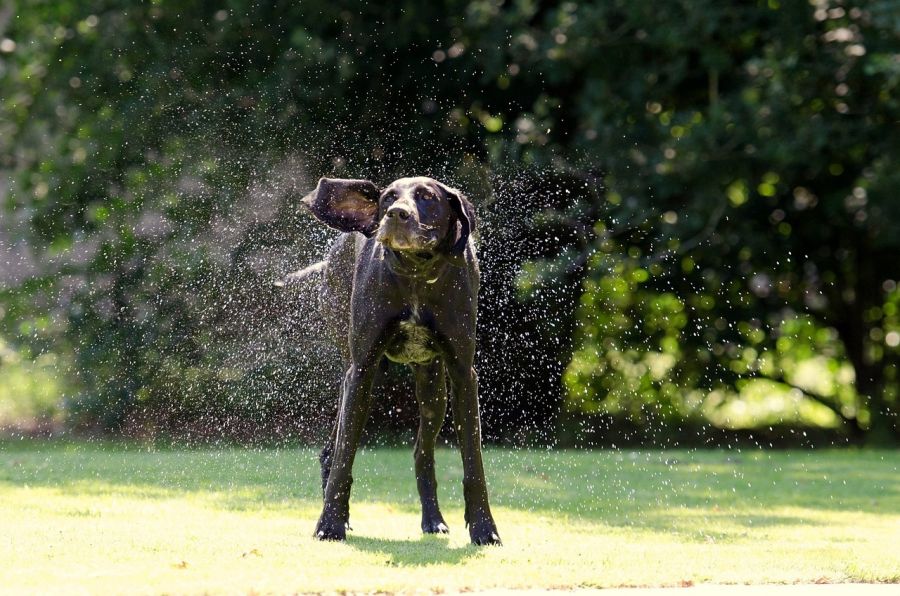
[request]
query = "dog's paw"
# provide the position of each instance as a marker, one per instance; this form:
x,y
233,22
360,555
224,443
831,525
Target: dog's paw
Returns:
x,y
331,530
435,526
484,533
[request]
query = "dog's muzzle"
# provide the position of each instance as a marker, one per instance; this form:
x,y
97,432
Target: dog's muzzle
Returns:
x,y
401,233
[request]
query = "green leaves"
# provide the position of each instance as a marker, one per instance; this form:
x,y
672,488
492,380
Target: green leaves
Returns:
x,y
735,174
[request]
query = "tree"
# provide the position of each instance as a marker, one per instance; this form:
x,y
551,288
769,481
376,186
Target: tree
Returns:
x,y
745,148
678,199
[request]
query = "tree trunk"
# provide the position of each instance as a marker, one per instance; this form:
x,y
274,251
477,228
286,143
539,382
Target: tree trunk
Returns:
x,y
854,330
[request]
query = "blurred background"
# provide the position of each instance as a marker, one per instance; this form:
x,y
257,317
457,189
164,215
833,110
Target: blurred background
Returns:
x,y
689,235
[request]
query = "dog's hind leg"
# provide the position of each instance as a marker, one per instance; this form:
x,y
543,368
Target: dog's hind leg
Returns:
x,y
431,393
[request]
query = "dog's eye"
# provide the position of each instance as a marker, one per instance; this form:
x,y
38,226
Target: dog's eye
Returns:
x,y
424,195
388,198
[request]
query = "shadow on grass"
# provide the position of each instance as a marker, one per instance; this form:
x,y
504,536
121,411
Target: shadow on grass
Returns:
x,y
427,550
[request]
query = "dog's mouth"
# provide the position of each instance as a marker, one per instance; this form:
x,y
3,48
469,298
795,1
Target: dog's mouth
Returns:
x,y
419,239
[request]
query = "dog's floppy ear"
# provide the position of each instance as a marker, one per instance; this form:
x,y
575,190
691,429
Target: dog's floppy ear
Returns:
x,y
465,224
345,205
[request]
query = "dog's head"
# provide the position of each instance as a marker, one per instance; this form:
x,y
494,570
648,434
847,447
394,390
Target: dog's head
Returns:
x,y
418,215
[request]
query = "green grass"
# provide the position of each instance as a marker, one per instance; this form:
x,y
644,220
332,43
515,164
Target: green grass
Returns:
x,y
91,518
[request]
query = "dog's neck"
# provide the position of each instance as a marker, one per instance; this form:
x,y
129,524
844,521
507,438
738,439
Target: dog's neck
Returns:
x,y
426,266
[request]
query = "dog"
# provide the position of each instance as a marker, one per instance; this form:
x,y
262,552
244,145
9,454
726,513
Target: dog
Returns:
x,y
401,282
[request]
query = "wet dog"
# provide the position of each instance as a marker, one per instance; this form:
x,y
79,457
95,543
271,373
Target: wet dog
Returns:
x,y
401,283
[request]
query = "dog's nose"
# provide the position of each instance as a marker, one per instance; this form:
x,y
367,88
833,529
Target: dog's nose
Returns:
x,y
399,212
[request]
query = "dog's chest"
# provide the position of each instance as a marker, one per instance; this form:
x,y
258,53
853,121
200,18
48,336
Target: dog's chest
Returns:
x,y
413,343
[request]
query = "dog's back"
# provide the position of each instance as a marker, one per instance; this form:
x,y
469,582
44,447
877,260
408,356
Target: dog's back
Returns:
x,y
337,288
334,277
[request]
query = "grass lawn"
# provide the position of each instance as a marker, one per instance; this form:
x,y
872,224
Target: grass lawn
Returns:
x,y
89,518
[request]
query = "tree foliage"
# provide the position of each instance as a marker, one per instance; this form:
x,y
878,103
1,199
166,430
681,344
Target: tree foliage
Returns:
x,y
693,201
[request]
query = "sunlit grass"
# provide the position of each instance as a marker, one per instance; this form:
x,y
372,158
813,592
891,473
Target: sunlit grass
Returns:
x,y
113,518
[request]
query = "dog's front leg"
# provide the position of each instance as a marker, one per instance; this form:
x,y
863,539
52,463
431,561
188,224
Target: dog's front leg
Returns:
x,y
466,419
354,409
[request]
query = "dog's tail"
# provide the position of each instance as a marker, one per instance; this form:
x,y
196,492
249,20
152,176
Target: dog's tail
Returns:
x,y
298,276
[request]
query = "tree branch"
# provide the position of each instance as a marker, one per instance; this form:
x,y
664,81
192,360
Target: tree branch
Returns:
x,y
689,244
815,397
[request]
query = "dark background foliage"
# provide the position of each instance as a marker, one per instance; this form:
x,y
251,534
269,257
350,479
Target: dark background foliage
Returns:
x,y
689,228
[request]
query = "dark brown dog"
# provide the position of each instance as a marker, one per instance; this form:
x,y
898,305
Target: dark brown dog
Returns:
x,y
402,283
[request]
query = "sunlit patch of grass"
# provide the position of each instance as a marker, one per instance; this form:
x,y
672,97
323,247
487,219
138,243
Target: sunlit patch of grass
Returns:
x,y
113,519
